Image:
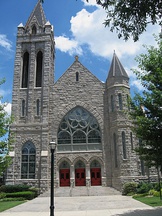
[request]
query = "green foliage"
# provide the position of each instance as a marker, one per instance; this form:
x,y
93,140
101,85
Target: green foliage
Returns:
x,y
13,199
2,195
14,188
24,194
131,17
143,188
147,107
5,121
129,188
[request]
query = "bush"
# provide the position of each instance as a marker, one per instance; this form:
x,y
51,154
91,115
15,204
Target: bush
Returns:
x,y
14,188
24,194
34,190
129,188
152,191
144,187
14,199
2,195
156,186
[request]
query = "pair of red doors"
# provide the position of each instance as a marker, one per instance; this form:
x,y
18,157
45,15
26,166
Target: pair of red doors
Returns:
x,y
80,177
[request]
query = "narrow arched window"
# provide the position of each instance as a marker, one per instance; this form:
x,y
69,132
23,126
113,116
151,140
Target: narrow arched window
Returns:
x,y
28,161
112,103
38,107
120,101
124,145
25,70
115,150
77,76
23,108
39,69
34,30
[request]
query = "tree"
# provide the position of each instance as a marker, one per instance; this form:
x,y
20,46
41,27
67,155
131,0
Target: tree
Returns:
x,y
131,17
147,107
5,121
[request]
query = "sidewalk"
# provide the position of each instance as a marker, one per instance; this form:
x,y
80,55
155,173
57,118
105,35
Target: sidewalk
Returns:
x,y
113,205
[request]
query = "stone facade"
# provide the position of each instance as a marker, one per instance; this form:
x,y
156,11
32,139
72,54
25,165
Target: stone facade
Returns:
x,y
37,121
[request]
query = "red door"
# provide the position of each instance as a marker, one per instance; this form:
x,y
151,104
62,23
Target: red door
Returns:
x,y
95,176
80,178
64,177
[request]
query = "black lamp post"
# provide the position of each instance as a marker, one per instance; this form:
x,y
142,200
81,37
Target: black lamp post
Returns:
x,y
53,147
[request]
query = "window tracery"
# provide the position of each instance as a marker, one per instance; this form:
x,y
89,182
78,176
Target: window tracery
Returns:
x,y
79,131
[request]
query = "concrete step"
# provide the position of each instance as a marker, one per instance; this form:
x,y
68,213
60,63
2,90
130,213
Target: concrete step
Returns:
x,y
82,191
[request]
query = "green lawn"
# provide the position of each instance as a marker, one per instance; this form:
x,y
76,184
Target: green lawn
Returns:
x,y
151,201
4,205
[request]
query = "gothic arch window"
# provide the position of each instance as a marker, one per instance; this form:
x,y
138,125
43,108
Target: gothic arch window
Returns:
x,y
25,70
115,150
112,103
124,145
77,76
39,69
95,164
28,161
79,131
34,30
120,101
23,108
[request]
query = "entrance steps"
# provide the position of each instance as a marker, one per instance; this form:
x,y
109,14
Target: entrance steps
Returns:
x,y
82,191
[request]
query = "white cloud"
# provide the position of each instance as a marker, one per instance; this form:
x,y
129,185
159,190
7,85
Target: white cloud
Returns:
x,y
4,42
7,107
65,44
87,28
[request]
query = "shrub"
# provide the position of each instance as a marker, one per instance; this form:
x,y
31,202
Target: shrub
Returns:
x,y
129,188
14,199
144,187
152,191
139,195
14,188
2,195
156,186
34,190
25,194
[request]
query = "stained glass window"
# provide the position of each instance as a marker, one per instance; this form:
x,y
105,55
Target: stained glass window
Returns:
x,y
79,131
28,161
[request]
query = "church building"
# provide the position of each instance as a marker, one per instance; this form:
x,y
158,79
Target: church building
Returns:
x,y
88,119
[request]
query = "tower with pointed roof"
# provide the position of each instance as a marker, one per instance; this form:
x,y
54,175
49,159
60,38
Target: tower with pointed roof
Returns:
x,y
87,118
121,158
33,81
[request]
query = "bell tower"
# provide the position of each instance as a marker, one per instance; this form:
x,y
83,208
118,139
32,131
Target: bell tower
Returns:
x,y
33,82
121,159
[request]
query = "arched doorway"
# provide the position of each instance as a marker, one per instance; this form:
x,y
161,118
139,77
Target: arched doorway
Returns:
x,y
95,169
80,175
64,174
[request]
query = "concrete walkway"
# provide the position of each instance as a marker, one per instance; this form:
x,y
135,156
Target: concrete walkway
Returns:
x,y
112,205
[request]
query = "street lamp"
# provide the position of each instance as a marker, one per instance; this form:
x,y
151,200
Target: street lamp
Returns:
x,y
52,147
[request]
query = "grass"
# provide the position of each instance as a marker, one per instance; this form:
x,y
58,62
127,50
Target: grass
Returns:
x,y
151,201
4,205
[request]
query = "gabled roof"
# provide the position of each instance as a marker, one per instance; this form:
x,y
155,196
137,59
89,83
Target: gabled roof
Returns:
x,y
38,14
117,70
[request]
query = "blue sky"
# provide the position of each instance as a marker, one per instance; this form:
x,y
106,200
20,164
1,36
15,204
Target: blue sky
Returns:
x,y
79,30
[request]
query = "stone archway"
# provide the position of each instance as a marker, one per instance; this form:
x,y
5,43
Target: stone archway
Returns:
x,y
95,171
64,173
80,174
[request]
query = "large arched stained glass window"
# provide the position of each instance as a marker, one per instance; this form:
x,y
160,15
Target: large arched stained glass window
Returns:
x,y
28,161
79,131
